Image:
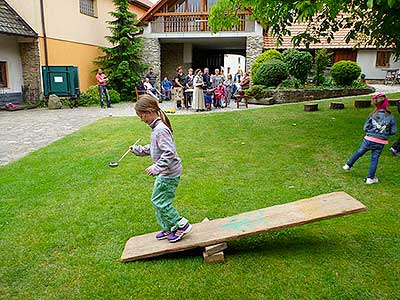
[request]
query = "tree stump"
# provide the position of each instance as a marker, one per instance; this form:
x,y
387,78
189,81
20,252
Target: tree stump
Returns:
x,y
337,105
362,103
311,107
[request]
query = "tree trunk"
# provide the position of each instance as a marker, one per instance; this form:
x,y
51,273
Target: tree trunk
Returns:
x,y
362,103
337,105
311,107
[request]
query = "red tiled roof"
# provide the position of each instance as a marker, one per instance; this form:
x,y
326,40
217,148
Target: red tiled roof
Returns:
x,y
339,40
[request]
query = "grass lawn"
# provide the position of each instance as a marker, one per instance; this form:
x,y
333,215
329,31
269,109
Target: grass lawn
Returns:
x,y
65,215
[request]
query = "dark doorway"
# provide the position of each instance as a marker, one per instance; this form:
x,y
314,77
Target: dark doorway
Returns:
x,y
212,59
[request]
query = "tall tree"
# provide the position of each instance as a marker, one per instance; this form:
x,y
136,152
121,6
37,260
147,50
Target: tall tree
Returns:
x,y
370,22
122,60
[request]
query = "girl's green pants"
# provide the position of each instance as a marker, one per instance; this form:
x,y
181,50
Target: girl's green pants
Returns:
x,y
163,194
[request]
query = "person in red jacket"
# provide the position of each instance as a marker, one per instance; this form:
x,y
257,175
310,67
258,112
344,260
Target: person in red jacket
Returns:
x,y
102,81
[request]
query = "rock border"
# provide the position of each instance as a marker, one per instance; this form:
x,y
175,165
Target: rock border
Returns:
x,y
301,95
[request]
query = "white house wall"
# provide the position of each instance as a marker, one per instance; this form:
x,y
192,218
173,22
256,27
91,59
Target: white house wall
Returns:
x,y
367,61
9,52
233,62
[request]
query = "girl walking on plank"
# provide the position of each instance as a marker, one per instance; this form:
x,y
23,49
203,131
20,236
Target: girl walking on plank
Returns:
x,y
167,168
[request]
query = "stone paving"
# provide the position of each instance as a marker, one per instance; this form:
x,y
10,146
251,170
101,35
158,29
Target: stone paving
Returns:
x,y
25,131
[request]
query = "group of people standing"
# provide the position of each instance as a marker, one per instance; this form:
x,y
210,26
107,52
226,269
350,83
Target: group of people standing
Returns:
x,y
197,89
203,90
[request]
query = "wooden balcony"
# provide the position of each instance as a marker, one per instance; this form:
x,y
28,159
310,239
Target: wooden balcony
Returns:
x,y
193,22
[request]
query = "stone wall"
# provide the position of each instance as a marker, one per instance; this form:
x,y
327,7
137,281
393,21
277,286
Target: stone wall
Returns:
x,y
30,60
290,96
172,57
254,47
151,54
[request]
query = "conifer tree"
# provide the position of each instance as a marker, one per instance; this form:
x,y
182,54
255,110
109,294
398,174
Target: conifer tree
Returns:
x,y
121,62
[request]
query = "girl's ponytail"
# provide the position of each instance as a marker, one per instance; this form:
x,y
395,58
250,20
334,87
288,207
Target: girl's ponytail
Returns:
x,y
165,119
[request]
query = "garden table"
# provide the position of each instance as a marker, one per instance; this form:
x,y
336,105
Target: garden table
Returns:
x,y
392,76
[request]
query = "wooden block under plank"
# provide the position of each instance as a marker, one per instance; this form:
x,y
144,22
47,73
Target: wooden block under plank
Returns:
x,y
210,250
217,257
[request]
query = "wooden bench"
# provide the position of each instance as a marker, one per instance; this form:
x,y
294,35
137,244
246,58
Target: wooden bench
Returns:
x,y
239,97
138,93
251,223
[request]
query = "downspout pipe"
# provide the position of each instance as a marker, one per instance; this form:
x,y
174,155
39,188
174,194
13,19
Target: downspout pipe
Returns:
x,y
46,56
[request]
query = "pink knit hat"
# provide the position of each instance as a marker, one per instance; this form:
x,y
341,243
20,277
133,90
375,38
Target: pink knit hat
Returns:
x,y
378,102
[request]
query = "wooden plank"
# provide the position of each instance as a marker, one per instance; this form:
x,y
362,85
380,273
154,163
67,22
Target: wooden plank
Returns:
x,y
213,249
246,224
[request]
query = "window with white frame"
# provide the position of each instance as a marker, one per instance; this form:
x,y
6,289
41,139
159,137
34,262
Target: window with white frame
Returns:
x,y
88,7
3,74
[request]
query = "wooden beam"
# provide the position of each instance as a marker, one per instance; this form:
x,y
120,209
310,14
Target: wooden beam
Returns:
x,y
251,223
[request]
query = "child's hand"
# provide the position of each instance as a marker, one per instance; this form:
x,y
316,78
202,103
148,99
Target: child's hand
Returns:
x,y
132,149
149,171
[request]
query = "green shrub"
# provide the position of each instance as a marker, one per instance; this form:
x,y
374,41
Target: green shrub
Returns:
x,y
299,63
322,59
114,96
266,56
93,91
86,99
319,79
344,72
91,96
271,73
258,91
292,83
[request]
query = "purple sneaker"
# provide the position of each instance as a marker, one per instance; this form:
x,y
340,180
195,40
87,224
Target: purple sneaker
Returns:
x,y
394,151
162,235
177,235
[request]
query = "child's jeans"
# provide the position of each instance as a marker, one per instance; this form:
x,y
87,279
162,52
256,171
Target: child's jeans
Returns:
x,y
376,150
167,94
163,194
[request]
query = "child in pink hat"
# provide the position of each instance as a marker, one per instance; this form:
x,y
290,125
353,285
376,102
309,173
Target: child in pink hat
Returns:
x,y
379,125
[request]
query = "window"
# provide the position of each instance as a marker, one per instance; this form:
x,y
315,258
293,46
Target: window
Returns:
x,y
88,7
3,74
345,54
383,58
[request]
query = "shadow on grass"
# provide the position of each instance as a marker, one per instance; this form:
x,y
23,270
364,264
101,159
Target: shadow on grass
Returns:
x,y
266,245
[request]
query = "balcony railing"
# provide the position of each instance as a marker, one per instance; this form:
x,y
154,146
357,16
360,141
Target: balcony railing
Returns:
x,y
193,22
